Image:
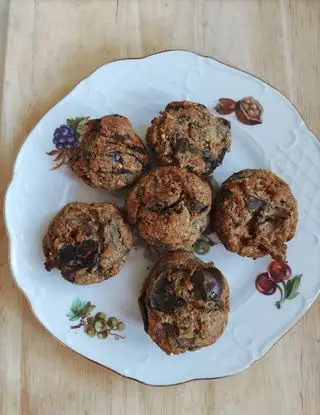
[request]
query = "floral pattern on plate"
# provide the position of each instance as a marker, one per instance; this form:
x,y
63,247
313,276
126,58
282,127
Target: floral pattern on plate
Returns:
x,y
98,325
279,277
66,138
248,110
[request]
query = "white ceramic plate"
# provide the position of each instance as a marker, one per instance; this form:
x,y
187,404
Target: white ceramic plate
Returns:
x,y
139,89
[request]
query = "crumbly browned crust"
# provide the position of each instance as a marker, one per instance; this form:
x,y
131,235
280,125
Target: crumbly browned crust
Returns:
x,y
87,242
184,303
187,135
256,214
111,155
170,207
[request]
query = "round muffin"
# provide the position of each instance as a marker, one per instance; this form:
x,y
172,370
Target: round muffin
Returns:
x,y
111,155
187,135
256,214
88,243
184,303
170,207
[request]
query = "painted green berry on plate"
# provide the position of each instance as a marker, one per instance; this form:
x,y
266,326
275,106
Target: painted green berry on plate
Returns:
x,y
121,326
102,335
89,330
100,316
100,326
201,247
112,322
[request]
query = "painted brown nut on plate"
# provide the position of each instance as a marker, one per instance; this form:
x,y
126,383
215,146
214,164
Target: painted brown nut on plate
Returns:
x,y
249,111
225,106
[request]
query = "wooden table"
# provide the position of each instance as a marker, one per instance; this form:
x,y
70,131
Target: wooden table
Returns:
x,y
46,48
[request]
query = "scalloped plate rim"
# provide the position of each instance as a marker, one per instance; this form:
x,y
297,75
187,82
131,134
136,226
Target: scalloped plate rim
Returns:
x,y
20,154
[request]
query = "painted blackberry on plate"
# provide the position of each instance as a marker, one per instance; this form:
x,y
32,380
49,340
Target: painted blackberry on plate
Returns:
x,y
66,138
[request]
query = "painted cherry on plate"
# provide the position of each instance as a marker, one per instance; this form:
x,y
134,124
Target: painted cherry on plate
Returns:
x,y
279,277
279,271
265,285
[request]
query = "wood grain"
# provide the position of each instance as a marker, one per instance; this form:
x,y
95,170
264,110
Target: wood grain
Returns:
x,y
49,46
